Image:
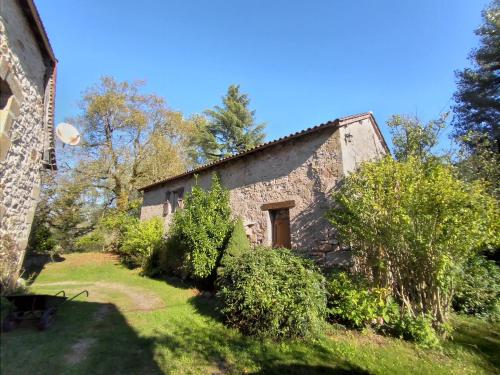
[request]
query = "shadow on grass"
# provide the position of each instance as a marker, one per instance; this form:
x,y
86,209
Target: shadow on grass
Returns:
x,y
480,337
34,264
311,370
86,338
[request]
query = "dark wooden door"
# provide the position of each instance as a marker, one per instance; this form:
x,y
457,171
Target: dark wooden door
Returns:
x,y
281,228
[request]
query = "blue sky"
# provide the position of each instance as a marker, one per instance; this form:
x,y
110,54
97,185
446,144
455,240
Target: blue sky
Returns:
x,y
301,62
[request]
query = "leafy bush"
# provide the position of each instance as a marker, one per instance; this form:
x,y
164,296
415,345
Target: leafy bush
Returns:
x,y
113,228
272,293
141,240
93,241
353,303
418,329
202,228
238,244
478,292
411,226
171,257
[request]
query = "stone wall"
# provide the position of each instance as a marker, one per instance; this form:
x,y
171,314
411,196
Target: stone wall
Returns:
x,y
305,170
22,137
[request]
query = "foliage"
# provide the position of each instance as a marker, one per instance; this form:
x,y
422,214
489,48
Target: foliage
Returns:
x,y
171,257
93,241
231,128
272,293
477,109
60,216
411,226
238,244
352,302
418,329
202,228
479,162
141,240
412,138
127,135
114,226
478,292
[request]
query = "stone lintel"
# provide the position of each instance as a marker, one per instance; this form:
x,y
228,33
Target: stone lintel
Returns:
x,y
277,205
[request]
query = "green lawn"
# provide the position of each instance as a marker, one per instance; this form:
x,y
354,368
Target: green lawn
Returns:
x,y
135,325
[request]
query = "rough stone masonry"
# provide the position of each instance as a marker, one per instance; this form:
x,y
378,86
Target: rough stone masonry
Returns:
x,y
27,79
281,189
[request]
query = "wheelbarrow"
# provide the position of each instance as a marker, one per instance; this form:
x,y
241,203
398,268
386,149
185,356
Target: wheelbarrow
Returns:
x,y
41,307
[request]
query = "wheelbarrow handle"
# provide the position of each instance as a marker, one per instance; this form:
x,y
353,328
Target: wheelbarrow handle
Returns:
x,y
83,291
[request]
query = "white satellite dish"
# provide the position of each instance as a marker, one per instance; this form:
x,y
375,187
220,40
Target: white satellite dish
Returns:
x,y
68,134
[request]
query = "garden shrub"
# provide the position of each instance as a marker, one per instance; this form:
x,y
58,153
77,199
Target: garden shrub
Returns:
x,y
113,228
412,225
417,329
202,228
272,293
141,240
238,243
171,257
478,292
352,303
92,241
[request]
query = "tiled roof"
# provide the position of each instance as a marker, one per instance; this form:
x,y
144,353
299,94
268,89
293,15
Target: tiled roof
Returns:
x,y
335,123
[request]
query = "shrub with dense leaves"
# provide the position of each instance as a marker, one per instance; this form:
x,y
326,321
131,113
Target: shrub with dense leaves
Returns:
x,y
418,329
478,292
171,257
238,244
351,302
141,241
272,293
411,226
202,229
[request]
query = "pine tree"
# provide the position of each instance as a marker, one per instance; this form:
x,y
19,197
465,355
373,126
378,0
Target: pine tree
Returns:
x,y
231,128
477,109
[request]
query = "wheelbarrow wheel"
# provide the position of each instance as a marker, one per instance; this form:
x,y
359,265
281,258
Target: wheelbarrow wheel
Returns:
x,y
47,319
9,323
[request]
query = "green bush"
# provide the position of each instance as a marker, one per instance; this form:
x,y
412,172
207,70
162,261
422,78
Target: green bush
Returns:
x,y
478,292
93,241
352,303
171,257
202,228
419,329
238,244
113,228
141,241
272,293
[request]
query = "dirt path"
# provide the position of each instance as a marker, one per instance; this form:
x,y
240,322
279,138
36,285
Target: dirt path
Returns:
x,y
137,299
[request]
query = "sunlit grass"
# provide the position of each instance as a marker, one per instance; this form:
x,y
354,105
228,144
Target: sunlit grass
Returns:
x,y
182,334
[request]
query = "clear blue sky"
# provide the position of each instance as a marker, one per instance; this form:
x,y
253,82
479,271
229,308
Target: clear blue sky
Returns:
x,y
301,62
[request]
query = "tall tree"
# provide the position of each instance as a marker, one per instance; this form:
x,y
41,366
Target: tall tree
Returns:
x,y
231,128
412,138
477,108
129,139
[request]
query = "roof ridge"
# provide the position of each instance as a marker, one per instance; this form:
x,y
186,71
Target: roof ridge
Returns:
x,y
337,122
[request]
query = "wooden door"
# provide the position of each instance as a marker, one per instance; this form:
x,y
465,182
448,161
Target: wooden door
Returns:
x,y
281,228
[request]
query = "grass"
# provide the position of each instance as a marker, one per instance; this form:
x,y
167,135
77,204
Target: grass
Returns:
x,y
136,325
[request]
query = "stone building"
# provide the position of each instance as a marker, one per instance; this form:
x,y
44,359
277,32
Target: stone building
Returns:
x,y
27,88
281,189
